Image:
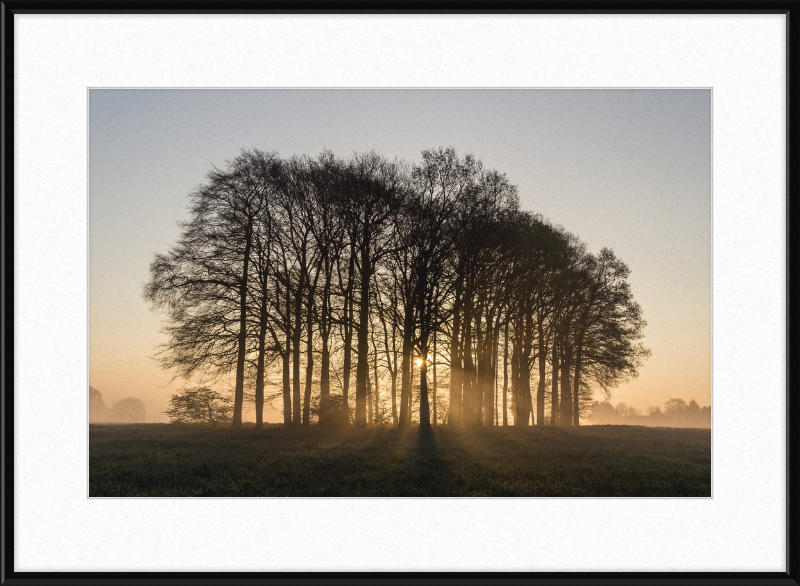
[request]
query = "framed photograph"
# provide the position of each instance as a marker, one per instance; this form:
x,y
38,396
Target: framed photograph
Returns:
x,y
313,296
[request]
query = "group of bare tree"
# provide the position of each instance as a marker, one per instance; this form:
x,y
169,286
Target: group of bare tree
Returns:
x,y
311,274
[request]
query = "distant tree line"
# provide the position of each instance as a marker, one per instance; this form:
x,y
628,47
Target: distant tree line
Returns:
x,y
378,291
127,410
675,413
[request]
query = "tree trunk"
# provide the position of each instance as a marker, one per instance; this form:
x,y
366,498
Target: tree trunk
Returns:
x,y
262,338
456,405
362,366
405,376
488,381
468,380
542,376
348,328
238,399
522,391
395,417
325,364
424,408
526,363
490,390
554,391
435,414
520,407
298,324
309,368
395,370
411,390
524,400
576,400
479,369
424,327
505,378
566,388
391,358
496,373
376,399
369,400
287,357
376,404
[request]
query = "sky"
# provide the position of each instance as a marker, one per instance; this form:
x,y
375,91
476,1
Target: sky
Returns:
x,y
624,169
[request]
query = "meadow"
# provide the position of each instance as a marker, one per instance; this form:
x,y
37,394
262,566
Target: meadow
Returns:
x,y
151,460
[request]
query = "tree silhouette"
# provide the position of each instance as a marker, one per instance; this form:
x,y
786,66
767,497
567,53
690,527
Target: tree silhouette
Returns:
x,y
199,405
203,281
313,263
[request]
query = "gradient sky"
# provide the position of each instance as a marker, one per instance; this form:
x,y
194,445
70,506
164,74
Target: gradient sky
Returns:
x,y
624,169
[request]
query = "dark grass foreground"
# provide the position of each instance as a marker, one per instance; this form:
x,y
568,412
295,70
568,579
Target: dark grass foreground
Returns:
x,y
174,460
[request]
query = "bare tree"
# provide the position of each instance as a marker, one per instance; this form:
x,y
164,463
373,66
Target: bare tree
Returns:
x,y
203,280
376,189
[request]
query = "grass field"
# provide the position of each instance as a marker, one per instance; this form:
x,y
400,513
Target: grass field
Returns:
x,y
175,460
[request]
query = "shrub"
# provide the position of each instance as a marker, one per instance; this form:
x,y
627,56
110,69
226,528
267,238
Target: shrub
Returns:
x,y
200,405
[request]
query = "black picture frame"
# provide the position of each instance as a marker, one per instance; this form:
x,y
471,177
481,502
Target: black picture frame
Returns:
x,y
10,577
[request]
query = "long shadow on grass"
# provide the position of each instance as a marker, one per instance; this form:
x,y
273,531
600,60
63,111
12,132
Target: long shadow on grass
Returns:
x,y
349,462
393,462
430,474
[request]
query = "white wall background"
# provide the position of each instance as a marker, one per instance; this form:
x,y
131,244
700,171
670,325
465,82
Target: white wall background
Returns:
x,y
742,57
